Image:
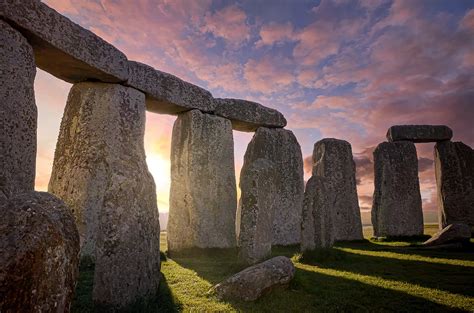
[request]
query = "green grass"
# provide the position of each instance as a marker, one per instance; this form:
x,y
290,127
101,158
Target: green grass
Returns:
x,y
366,276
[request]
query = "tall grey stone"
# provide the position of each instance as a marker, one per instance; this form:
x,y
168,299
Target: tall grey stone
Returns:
x,y
419,133
396,209
63,48
454,164
100,171
18,115
317,227
203,198
332,160
256,210
281,147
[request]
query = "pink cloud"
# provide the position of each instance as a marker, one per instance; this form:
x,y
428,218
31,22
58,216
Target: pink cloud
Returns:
x,y
274,33
269,74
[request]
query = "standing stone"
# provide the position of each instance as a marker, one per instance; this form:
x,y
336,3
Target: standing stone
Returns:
x,y
256,210
100,171
39,256
317,228
396,209
18,113
332,160
454,164
203,198
281,147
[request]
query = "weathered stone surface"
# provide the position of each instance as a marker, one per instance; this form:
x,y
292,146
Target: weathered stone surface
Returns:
x,y
453,233
281,147
396,209
419,133
247,115
257,280
203,198
254,222
317,227
100,171
454,164
166,93
62,47
18,113
332,160
39,256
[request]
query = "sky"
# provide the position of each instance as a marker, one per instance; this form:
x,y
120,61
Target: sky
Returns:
x,y
344,69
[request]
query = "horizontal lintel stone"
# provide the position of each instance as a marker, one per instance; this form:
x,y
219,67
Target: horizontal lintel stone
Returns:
x,y
247,116
62,47
166,93
419,133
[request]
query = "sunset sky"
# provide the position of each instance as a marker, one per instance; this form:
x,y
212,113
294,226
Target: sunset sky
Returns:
x,y
343,69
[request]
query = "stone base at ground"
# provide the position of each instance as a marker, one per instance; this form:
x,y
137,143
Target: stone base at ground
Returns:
x,y
256,209
396,209
39,257
453,233
255,281
203,194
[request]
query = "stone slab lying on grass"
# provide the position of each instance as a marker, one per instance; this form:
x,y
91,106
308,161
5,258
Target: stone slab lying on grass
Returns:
x,y
63,48
419,133
166,93
247,116
453,233
257,280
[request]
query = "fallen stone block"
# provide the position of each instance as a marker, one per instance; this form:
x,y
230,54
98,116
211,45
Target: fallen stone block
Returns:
x,y
247,116
419,133
39,256
63,48
257,280
453,233
166,93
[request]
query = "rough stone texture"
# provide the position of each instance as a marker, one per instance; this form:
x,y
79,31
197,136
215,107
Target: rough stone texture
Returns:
x,y
166,93
281,147
257,280
396,209
39,256
454,164
62,47
18,113
453,233
332,160
317,227
419,133
254,222
203,198
100,171
247,116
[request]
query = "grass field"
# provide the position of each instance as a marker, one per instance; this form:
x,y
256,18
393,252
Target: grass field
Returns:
x,y
366,276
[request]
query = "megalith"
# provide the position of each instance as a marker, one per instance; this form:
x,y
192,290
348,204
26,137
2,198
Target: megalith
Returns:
x,y
281,147
419,133
256,210
39,257
396,208
332,160
203,198
317,226
18,114
454,168
101,173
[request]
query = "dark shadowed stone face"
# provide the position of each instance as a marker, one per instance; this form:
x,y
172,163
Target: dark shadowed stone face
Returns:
x,y
419,133
453,233
39,256
18,114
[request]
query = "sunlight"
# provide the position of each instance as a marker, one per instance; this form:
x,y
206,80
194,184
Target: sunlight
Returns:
x,y
159,167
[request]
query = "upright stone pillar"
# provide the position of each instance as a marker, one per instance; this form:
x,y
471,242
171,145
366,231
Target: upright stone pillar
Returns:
x,y
18,115
203,200
396,209
100,171
256,210
281,147
454,164
332,160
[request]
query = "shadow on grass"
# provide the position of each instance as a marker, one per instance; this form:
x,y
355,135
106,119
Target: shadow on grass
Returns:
x,y
162,301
